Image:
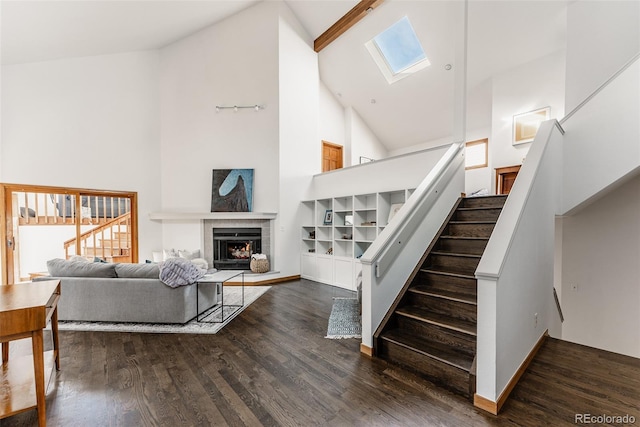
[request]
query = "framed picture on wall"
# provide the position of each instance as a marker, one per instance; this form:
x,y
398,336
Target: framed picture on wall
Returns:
x,y
232,190
525,125
328,217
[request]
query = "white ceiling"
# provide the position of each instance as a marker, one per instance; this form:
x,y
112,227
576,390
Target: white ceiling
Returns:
x,y
502,34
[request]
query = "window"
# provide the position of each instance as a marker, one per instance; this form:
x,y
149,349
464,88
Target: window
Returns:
x,y
397,51
476,154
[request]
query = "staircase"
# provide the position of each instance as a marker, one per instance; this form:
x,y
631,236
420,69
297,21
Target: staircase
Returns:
x,y
110,241
115,249
431,327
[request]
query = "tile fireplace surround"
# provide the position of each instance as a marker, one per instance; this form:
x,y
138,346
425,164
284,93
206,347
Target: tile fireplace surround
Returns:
x,y
210,224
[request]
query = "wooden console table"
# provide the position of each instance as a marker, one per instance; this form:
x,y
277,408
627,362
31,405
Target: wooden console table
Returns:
x,y
25,310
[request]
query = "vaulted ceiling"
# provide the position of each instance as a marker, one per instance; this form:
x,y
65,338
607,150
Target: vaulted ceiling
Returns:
x,y
501,35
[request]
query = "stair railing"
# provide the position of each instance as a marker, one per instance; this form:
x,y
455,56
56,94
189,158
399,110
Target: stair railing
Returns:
x,y
110,232
390,259
516,273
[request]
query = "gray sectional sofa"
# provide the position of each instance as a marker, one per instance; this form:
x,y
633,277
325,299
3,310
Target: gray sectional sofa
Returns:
x,y
124,293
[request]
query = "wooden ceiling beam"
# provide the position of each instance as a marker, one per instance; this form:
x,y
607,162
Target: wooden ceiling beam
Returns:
x,y
343,24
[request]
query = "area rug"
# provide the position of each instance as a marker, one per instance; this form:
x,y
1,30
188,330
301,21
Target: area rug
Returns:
x,y
232,296
344,321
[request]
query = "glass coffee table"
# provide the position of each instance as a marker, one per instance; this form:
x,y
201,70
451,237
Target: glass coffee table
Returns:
x,y
210,314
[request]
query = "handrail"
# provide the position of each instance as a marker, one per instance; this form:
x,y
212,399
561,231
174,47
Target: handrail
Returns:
x,y
495,255
114,225
601,87
99,228
390,242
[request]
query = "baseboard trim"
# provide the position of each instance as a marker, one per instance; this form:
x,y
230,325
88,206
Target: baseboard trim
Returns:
x,y
494,407
274,281
366,350
485,404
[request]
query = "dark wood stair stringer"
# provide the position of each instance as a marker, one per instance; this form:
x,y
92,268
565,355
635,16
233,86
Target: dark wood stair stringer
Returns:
x,y
430,328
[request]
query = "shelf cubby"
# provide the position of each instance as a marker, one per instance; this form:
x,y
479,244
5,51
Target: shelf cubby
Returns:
x,y
343,248
343,204
365,233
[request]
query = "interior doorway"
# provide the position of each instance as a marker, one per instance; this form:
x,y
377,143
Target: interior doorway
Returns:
x,y
332,155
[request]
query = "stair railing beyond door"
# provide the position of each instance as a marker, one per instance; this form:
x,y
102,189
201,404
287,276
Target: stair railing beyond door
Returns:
x,y
110,241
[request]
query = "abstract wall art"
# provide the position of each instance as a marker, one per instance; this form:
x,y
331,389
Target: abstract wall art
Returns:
x,y
232,190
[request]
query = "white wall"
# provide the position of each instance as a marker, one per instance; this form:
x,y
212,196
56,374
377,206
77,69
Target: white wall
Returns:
x,y
603,138
479,100
331,122
390,174
361,140
600,256
490,109
300,152
534,85
601,37
220,65
88,122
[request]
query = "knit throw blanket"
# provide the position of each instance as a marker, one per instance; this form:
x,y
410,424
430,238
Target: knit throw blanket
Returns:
x,y
176,272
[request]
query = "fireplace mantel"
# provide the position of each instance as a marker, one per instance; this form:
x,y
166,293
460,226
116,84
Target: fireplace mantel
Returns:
x,y
162,216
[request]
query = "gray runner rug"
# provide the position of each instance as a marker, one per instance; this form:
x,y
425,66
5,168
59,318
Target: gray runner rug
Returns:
x,y
344,321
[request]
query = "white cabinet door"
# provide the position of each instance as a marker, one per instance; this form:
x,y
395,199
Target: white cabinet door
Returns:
x,y
344,273
324,269
308,267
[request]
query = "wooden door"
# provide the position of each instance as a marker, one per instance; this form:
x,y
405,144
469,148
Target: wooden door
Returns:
x,y
331,156
505,178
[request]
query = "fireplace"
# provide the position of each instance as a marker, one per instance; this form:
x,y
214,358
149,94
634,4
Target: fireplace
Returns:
x,y
233,247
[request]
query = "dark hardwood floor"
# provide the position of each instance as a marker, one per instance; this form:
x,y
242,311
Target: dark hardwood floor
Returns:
x,y
272,366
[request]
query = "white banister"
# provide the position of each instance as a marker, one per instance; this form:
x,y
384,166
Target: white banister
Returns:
x,y
390,243
566,167
392,257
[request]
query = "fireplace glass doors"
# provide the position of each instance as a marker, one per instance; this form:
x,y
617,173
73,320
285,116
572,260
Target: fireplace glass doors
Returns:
x,y
233,247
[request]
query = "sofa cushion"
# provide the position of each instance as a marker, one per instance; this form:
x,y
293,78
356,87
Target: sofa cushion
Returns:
x,y
62,268
138,271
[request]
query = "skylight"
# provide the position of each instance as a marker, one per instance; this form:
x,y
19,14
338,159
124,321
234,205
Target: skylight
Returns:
x,y
397,51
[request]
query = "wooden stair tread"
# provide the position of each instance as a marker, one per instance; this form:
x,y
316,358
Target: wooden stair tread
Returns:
x,y
453,271
463,237
448,273
447,322
471,222
478,208
488,196
432,349
456,254
445,294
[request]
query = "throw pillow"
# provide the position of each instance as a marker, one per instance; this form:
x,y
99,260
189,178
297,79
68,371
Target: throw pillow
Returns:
x,y
169,253
156,256
190,255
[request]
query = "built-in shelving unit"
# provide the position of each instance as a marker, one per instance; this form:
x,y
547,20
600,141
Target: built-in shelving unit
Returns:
x,y
330,250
